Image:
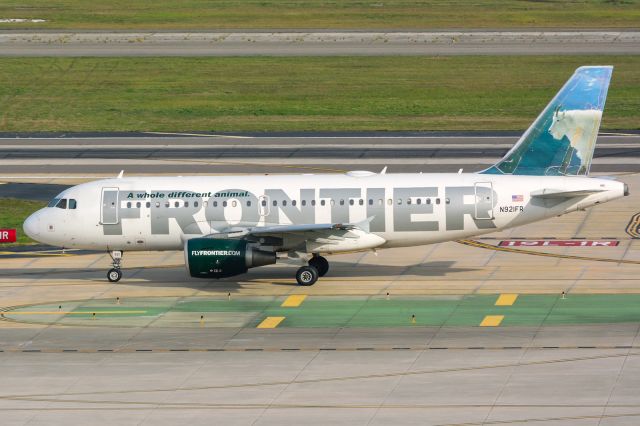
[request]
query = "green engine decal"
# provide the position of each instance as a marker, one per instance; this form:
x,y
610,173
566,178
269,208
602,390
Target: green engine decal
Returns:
x,y
211,258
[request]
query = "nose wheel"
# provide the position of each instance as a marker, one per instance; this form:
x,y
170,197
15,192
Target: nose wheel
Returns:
x,y
115,273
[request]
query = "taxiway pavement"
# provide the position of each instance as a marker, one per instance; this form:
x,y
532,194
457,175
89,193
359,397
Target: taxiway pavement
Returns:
x,y
16,43
138,362
89,157
167,367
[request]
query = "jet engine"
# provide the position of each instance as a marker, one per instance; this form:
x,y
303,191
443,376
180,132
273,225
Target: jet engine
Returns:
x,y
219,258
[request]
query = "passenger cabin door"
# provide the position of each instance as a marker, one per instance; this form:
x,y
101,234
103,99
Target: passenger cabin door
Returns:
x,y
110,207
484,200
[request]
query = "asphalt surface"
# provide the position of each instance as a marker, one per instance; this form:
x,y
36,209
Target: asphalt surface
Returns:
x,y
230,154
15,43
169,368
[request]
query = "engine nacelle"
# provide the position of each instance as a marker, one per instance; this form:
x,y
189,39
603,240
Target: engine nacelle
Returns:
x,y
218,258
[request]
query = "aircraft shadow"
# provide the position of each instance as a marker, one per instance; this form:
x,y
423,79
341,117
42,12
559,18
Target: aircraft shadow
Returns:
x,y
281,275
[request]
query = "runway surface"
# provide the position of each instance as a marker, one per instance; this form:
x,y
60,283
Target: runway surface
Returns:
x,y
392,338
14,43
87,157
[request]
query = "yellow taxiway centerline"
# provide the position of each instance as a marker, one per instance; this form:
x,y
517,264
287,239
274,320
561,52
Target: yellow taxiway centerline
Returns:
x,y
270,322
293,301
506,299
492,321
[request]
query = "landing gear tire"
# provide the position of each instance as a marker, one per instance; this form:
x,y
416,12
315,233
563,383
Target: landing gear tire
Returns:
x,y
114,275
307,275
321,264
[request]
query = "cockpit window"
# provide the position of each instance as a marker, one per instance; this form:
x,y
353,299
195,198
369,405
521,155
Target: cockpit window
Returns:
x,y
53,202
62,204
72,203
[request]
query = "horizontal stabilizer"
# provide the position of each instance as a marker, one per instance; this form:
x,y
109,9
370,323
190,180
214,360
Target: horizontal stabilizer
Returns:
x,y
560,193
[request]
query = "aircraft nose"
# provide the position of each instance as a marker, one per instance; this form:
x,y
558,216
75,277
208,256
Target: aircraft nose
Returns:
x,y
31,226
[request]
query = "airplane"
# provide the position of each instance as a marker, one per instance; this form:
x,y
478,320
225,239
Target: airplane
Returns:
x,y
228,224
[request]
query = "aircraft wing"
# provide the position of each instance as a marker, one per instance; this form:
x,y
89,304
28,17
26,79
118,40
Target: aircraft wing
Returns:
x,y
309,237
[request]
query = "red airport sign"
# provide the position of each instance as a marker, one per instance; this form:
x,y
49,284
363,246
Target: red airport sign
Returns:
x,y
7,235
559,243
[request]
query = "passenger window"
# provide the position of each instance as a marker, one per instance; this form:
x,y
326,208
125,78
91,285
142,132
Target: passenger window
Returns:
x,y
248,203
186,204
342,202
419,201
148,204
332,202
351,202
129,205
195,204
428,200
158,204
304,202
224,204
167,204
284,203
322,202
361,202
399,202
234,203
215,204
409,201
264,203
447,201
176,204
370,201
73,204
62,204
313,202
437,200
275,203
293,203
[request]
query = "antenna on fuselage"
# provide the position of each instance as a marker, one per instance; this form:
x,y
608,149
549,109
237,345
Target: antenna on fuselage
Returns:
x,y
120,174
384,171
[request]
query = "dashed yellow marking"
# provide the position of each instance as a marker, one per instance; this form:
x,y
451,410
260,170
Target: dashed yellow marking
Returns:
x,y
270,322
506,299
492,321
71,312
293,301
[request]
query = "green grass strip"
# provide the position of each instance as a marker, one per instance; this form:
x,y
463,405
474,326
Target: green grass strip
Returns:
x,y
301,93
13,212
322,14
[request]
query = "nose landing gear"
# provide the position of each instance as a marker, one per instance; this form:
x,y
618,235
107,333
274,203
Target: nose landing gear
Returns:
x,y
115,273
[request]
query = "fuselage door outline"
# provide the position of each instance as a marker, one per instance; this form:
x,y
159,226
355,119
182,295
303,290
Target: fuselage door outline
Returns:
x,y
483,192
109,214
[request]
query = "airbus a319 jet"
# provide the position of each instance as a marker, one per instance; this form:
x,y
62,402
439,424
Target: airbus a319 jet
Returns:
x,y
228,224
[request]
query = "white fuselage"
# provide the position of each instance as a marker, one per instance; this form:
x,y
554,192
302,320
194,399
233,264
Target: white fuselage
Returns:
x,y
394,210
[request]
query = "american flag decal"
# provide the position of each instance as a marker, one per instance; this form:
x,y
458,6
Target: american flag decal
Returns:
x,y
517,198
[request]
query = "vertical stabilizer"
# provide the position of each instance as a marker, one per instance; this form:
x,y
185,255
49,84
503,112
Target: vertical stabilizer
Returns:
x,y
562,139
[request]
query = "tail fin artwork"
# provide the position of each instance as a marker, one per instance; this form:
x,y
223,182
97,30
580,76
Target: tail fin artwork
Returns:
x,y
562,139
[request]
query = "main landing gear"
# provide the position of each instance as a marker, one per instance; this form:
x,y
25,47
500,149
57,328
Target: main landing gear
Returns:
x,y
308,275
115,273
